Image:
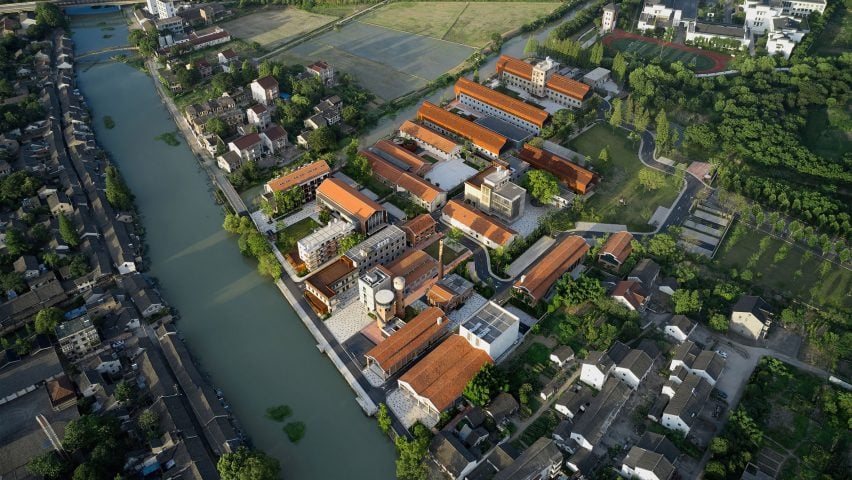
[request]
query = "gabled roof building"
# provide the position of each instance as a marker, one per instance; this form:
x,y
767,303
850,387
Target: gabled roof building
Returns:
x,y
494,103
576,178
339,197
560,259
484,140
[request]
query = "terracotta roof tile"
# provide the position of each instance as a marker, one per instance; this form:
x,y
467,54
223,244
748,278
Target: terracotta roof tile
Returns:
x,y
416,163
546,271
275,132
618,245
479,222
565,85
419,224
247,141
323,279
477,134
501,101
299,176
429,136
413,265
516,67
408,340
631,291
574,176
411,183
349,199
442,375
268,82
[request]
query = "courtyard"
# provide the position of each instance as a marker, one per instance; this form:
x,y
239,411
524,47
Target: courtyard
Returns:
x,y
620,198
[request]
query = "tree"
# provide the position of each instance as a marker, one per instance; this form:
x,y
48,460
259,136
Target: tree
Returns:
x,y
412,454
531,46
16,243
349,241
149,423
86,471
360,168
665,248
619,67
322,140
123,392
12,281
117,193
384,418
641,119
484,385
719,322
617,112
47,319
245,464
217,126
686,301
524,393
662,131
48,465
651,179
596,54
455,234
268,265
49,15
67,231
603,157
543,186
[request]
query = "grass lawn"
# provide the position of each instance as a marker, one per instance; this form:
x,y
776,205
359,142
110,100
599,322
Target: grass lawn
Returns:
x,y
650,50
449,253
468,23
288,237
621,180
826,132
837,36
793,275
273,26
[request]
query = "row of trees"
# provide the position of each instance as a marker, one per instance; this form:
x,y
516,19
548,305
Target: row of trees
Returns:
x,y
253,244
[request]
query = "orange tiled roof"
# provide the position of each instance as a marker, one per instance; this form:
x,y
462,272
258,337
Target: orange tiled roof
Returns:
x,y
323,279
420,223
631,291
60,390
412,265
440,293
428,136
538,280
348,199
574,176
501,101
618,245
442,375
413,184
479,135
413,336
299,176
479,222
416,163
565,85
516,67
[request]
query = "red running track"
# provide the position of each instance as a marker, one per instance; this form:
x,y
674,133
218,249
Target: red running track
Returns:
x,y
720,60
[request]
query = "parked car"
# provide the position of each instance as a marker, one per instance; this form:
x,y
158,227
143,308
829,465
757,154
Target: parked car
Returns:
x,y
722,353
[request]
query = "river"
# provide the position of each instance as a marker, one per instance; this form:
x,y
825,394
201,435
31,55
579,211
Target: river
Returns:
x,y
235,322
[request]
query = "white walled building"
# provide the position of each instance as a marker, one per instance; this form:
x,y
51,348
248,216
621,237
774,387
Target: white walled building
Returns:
x,y
369,284
492,329
609,17
165,8
77,337
321,245
542,81
381,249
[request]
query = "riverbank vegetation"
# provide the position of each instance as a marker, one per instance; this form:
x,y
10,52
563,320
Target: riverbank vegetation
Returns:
x,y
253,244
245,464
109,122
169,138
117,192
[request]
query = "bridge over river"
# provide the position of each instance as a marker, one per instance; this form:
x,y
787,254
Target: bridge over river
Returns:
x,y
119,48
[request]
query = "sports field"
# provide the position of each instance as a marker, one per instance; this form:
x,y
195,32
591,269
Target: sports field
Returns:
x,y
468,23
620,198
273,26
703,61
388,62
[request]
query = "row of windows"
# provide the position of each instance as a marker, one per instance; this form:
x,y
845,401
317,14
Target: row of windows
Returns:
x,y
486,108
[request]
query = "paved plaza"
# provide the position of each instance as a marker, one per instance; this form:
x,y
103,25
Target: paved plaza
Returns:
x,y
406,410
529,220
348,319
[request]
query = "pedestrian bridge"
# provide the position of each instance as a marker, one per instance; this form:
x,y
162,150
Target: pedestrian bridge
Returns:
x,y
30,6
105,50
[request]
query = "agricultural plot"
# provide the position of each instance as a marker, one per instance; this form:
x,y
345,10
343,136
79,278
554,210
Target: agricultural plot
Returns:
x,y
792,273
388,62
272,27
620,198
647,48
468,23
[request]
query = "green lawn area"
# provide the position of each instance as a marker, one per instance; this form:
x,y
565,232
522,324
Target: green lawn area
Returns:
x,y
827,132
794,275
837,36
649,50
449,253
620,198
288,237
468,23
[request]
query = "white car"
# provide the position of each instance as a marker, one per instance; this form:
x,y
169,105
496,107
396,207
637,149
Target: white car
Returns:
x,y
722,353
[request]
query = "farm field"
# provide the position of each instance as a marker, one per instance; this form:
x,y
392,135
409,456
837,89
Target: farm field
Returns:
x,y
794,275
388,62
703,61
468,23
619,198
271,27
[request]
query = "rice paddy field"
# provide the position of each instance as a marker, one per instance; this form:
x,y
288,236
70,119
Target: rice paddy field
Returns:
x,y
273,26
468,23
389,62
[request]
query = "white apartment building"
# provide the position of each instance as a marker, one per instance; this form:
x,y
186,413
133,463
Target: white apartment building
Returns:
x,y
77,337
371,283
321,245
495,194
166,8
381,249
803,8
491,329
609,17
658,15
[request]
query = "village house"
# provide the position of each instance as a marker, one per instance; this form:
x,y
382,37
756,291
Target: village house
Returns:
x,y
485,141
449,292
631,294
203,67
597,365
419,229
477,225
576,178
264,90
490,102
561,258
227,58
491,329
689,359
322,70
307,177
274,139
258,115
609,18
337,196
541,460
27,266
77,337
248,147
573,402
633,368
646,273
652,458
542,81
751,317
680,327
562,355
326,113
229,161
435,144
451,455
599,414
685,401
492,192
615,251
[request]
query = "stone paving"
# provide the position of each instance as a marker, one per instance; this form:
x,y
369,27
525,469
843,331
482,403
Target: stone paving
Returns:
x,y
349,318
529,220
373,377
309,210
449,174
474,303
264,224
406,410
